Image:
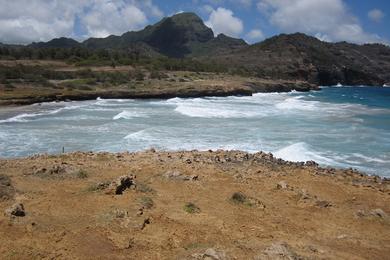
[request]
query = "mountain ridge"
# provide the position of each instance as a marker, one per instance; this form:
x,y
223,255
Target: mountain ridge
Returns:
x,y
285,56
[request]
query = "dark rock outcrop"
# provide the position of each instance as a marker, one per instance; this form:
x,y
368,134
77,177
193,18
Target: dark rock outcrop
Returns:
x,y
16,210
121,184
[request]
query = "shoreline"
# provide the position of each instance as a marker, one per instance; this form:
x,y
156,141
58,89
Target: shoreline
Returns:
x,y
158,90
216,91
233,203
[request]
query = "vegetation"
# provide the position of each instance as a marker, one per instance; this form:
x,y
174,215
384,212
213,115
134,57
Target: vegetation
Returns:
x,y
191,208
80,56
82,174
241,198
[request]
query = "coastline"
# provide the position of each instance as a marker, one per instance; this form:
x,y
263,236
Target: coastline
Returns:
x,y
159,90
243,205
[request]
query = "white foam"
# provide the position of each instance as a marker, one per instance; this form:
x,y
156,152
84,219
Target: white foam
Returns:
x,y
112,102
129,115
25,116
369,159
300,152
214,112
142,135
296,103
216,108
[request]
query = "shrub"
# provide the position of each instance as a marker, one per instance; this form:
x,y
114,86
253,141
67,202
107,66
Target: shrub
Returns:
x,y
82,174
239,198
191,208
139,75
154,74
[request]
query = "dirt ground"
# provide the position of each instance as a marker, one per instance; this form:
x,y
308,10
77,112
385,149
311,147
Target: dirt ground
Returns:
x,y
190,205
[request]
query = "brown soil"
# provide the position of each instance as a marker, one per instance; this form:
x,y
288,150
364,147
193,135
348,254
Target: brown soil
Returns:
x,y
192,205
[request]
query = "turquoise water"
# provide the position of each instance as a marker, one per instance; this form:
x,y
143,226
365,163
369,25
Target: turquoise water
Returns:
x,y
338,126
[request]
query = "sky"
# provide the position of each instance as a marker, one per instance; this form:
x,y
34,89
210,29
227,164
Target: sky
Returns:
x,y
357,21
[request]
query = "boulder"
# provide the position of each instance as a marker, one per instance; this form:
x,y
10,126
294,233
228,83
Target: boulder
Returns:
x,y
210,254
175,175
311,164
279,251
282,185
378,213
323,204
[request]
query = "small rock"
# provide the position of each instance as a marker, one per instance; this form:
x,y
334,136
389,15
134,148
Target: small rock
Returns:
x,y
323,204
304,195
378,213
311,164
360,213
121,213
282,185
279,251
210,254
16,210
175,175
342,236
213,254
140,211
145,222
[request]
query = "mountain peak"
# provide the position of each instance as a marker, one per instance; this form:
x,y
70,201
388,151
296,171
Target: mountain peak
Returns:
x,y
61,42
186,16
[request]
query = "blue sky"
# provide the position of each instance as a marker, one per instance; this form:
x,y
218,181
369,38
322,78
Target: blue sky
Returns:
x,y
359,21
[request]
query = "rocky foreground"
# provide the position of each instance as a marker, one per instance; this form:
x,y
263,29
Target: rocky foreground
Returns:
x,y
189,205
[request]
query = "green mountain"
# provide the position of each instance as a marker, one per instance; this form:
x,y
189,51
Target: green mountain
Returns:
x,y
286,56
178,36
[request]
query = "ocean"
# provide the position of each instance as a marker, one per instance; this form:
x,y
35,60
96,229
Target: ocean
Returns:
x,y
337,126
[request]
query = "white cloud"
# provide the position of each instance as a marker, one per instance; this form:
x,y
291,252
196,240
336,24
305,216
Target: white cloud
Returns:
x,y
24,21
223,21
330,19
375,15
242,3
112,17
149,7
255,35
